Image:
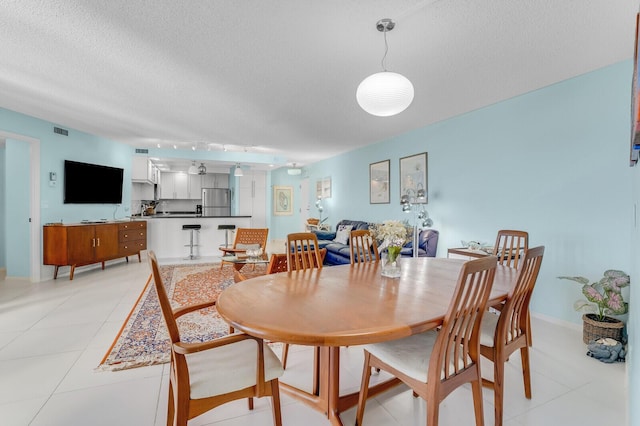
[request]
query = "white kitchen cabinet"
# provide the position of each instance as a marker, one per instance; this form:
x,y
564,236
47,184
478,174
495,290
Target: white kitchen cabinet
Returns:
x,y
142,170
181,185
209,180
174,186
167,186
252,197
195,187
215,180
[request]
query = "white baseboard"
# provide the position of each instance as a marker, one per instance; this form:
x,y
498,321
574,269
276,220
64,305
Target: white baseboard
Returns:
x,y
557,321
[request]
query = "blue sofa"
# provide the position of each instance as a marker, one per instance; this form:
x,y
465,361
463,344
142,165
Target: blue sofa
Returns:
x,y
339,254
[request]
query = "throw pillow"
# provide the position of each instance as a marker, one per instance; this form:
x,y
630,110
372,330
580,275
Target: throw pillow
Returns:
x,y
342,234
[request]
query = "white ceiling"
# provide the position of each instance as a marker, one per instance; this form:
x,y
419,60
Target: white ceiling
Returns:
x,y
278,77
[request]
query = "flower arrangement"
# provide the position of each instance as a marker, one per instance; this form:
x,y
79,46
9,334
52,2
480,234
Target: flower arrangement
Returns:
x,y
603,297
393,233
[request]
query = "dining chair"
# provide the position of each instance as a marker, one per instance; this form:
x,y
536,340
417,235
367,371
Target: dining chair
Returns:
x,y
434,363
208,374
277,263
303,251
504,333
363,247
246,238
510,247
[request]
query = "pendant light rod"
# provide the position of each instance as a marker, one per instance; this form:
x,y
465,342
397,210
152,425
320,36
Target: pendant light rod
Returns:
x,y
385,25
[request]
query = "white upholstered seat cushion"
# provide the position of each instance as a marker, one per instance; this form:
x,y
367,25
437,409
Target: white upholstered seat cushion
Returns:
x,y
410,355
488,329
229,368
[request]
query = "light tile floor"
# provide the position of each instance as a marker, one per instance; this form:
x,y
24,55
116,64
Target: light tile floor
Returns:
x,y
53,334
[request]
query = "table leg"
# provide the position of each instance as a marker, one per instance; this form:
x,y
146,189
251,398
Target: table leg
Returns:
x,y
326,396
333,388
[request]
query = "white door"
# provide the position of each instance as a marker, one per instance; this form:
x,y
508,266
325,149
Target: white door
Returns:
x,y
305,205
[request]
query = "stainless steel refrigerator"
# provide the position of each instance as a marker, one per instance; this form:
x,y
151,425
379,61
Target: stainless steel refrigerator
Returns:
x,y
216,202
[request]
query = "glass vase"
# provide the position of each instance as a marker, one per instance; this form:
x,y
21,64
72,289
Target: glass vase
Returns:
x,y
390,264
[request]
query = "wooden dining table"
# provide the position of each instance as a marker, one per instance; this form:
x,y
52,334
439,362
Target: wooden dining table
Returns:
x,y
345,306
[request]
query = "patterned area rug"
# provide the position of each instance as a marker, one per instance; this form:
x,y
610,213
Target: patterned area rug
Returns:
x,y
144,340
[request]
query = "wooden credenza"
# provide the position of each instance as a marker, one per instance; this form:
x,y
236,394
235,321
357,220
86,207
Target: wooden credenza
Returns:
x,y
86,243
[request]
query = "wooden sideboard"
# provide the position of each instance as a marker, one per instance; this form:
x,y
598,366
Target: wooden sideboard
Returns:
x,y
86,243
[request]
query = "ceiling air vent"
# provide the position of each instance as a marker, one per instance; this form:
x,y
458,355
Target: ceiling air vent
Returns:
x,y
142,151
60,131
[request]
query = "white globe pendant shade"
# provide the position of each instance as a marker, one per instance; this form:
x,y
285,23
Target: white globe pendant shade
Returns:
x,y
385,93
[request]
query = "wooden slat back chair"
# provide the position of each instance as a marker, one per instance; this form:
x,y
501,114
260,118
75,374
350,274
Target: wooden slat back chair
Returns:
x,y
363,246
277,263
246,237
208,374
510,247
435,363
303,252
505,333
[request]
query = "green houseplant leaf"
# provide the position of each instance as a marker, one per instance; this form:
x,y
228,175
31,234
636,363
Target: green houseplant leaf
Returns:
x,y
602,297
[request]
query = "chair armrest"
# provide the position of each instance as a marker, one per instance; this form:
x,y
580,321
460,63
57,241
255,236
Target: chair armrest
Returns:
x,y
190,308
184,348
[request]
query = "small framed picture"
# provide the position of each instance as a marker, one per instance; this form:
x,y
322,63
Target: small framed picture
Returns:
x,y
413,175
282,200
379,182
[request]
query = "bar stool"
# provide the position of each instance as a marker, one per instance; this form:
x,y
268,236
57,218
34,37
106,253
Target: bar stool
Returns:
x,y
191,229
226,229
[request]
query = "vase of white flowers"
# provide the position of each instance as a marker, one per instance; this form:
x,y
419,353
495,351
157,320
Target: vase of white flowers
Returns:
x,y
393,234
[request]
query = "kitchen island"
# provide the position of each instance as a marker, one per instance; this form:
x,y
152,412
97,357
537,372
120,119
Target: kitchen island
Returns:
x,y
167,239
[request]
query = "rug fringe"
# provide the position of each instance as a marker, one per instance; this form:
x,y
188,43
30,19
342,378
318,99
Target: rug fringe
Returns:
x,y
142,362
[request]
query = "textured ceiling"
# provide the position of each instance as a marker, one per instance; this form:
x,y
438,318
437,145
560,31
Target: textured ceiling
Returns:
x,y
278,77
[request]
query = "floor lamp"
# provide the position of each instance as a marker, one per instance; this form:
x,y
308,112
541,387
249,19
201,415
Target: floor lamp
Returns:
x,y
413,202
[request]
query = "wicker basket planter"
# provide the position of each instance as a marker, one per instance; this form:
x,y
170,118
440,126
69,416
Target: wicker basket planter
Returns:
x,y
593,329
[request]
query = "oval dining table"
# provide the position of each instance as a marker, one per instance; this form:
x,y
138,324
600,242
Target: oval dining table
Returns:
x,y
346,305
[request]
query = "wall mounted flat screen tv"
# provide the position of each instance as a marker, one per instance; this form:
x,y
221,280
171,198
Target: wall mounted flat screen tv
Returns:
x,y
86,183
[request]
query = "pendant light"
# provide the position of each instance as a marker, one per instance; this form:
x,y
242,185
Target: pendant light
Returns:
x,y
293,171
238,171
202,170
193,170
385,93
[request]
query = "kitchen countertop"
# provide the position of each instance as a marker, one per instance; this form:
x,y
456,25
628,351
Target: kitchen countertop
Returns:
x,y
179,215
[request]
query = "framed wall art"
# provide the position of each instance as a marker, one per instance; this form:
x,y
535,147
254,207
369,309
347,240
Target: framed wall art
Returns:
x,y
379,182
413,175
282,200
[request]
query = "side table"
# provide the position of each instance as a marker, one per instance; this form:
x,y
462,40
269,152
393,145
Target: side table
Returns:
x,y
466,253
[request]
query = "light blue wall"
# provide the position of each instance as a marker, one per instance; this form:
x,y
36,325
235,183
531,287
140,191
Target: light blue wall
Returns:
x,y
78,146
54,149
553,162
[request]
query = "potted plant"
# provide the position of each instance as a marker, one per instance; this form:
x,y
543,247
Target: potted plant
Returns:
x,y
602,299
